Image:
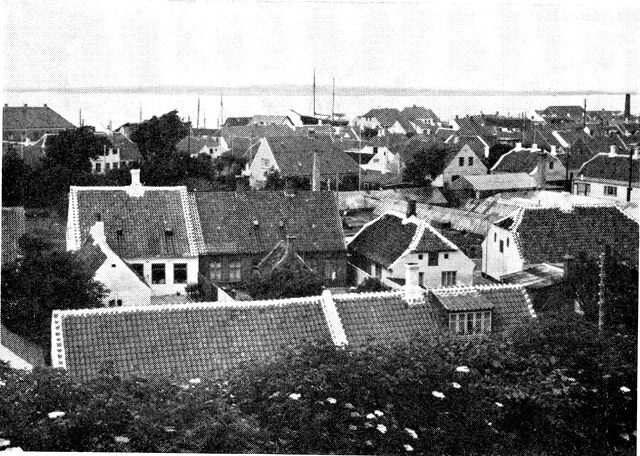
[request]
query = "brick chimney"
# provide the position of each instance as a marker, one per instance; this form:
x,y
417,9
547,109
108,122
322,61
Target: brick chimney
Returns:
x,y
411,289
627,106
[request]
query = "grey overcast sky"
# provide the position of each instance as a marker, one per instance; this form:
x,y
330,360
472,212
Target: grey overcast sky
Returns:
x,y
486,45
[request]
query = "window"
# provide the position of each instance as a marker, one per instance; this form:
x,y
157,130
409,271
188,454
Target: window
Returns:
x,y
454,178
470,322
507,242
115,303
138,268
158,273
460,161
420,257
180,273
107,166
550,165
375,149
495,237
583,189
610,190
421,279
448,278
433,259
446,256
470,161
114,151
265,162
378,271
98,167
116,165
329,272
235,271
215,271
501,246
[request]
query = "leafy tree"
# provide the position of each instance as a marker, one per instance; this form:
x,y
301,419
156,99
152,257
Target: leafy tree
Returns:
x,y
73,148
275,181
43,281
159,135
289,280
15,180
425,160
368,133
495,152
371,284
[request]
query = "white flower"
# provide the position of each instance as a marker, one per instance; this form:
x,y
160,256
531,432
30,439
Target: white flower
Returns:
x,y
378,412
438,394
624,389
194,381
121,439
456,385
411,432
382,428
371,416
56,414
331,400
498,404
489,423
463,369
625,436
408,447
184,386
353,427
4,443
169,429
294,396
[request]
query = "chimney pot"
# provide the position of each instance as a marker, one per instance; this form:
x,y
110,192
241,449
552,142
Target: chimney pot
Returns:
x,y
518,146
45,105
25,105
612,150
554,150
135,177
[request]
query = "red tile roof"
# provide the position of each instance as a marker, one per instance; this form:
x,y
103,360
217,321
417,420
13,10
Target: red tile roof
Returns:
x,y
227,221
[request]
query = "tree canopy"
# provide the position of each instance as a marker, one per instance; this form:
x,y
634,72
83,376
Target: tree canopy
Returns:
x,y
15,180
159,135
72,149
288,280
426,160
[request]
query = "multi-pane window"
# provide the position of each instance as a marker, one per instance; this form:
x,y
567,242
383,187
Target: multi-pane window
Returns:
x,y
234,271
551,165
470,161
138,268
583,189
448,278
433,259
115,303
470,322
180,273
610,190
421,279
265,162
215,271
501,246
158,273
378,271
329,271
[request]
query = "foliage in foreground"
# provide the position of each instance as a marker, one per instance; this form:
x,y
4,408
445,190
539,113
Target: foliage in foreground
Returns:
x,y
560,388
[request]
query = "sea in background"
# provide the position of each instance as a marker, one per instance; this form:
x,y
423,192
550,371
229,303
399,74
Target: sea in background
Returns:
x,y
104,105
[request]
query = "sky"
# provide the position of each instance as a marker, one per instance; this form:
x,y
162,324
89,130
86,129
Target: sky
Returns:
x,y
454,45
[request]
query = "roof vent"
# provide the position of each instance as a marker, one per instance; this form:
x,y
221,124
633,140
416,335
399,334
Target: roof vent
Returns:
x,y
256,223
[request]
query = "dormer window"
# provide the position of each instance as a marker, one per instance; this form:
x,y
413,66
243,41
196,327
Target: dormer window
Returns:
x,y
466,323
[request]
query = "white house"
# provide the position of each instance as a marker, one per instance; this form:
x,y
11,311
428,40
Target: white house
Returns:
x,y
125,287
207,145
533,236
545,167
154,229
385,246
462,161
122,152
606,176
382,160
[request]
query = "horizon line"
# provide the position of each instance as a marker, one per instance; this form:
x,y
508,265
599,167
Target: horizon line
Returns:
x,y
295,89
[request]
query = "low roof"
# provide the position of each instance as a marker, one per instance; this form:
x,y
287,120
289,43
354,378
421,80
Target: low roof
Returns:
x,y
32,117
227,221
615,168
419,112
488,182
194,144
391,235
538,276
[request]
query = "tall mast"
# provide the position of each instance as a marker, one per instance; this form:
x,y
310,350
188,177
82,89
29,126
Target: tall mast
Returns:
x,y
584,114
314,91
140,113
333,98
198,115
80,117
221,111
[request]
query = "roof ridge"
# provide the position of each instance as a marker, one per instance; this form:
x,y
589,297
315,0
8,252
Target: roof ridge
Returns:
x,y
368,295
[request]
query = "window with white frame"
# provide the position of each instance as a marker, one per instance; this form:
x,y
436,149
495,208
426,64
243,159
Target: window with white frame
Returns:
x,y
180,273
462,323
582,188
610,190
448,278
235,274
158,273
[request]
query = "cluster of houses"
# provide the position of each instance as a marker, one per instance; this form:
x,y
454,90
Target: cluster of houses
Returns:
x,y
470,270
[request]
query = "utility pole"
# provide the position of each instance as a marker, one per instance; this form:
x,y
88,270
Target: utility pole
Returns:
x,y
221,111
630,173
189,137
566,177
198,116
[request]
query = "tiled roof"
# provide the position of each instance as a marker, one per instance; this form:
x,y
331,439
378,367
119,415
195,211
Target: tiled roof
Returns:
x,y
91,255
13,227
602,166
378,178
538,276
184,340
194,144
236,121
314,130
388,237
156,224
386,116
547,235
212,132
563,112
383,317
518,161
128,149
294,156
227,220
488,182
419,112
32,117
461,299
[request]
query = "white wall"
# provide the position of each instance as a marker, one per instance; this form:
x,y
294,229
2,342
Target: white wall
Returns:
x,y
495,263
381,162
169,287
456,261
397,128
454,168
597,191
122,282
262,162
110,158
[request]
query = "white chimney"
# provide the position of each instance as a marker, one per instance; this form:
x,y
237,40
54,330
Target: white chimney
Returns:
x,y
564,202
636,153
612,150
97,232
412,291
518,146
486,151
554,151
534,147
136,188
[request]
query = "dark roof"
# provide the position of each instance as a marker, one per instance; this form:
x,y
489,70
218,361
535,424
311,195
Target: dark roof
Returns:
x,y
518,161
383,317
603,166
314,130
461,299
419,112
294,156
378,178
13,227
194,144
236,121
386,116
213,132
32,117
535,277
186,340
567,113
227,220
547,235
128,149
91,255
495,182
385,239
30,154
144,220
281,254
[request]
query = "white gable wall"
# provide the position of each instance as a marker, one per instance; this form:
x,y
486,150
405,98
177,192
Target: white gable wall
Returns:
x,y
169,287
122,282
455,169
495,263
263,161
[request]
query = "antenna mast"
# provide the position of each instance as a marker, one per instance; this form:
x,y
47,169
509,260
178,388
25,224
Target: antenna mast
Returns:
x,y
333,99
314,91
198,115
